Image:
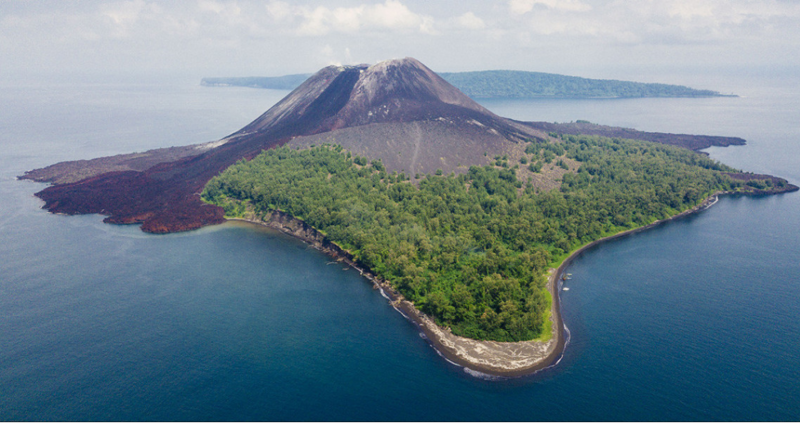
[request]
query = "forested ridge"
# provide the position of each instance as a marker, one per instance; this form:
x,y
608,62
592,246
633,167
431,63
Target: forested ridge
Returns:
x,y
506,84
472,250
521,84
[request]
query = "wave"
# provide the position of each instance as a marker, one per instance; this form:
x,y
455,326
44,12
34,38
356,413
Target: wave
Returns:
x,y
484,376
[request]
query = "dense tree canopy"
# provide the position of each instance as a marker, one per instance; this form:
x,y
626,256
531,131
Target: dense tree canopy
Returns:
x,y
472,250
505,84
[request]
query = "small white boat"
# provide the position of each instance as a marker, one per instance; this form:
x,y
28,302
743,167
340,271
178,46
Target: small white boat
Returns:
x,y
565,289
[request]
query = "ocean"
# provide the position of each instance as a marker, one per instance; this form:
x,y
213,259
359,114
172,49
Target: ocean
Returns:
x,y
694,320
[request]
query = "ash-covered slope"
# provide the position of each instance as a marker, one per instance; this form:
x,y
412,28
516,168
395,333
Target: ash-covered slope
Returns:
x,y
370,109
398,111
394,91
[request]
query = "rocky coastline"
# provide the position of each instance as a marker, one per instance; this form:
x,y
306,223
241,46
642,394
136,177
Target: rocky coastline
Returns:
x,y
482,358
488,358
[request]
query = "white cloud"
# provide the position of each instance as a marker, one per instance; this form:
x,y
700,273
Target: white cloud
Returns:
x,y
651,21
470,21
228,10
279,10
250,34
321,20
329,56
391,14
524,6
123,16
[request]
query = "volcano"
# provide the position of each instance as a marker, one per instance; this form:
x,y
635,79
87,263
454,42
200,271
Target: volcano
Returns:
x,y
398,111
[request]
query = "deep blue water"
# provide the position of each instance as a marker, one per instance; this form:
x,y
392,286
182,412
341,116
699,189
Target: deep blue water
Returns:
x,y
694,320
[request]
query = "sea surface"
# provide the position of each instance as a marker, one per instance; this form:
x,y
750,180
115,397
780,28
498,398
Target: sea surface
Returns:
x,y
694,320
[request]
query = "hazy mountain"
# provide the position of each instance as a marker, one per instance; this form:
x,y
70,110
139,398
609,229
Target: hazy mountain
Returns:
x,y
506,84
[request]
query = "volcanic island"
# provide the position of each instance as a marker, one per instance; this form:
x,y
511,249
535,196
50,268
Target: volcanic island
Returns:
x,y
462,219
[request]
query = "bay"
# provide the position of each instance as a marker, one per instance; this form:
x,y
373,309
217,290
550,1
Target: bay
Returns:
x,y
693,320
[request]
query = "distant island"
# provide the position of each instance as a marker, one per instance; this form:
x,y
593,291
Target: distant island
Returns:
x,y
505,84
464,220
286,82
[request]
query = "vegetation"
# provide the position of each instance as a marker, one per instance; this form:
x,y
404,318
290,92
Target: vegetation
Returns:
x,y
519,84
506,84
471,250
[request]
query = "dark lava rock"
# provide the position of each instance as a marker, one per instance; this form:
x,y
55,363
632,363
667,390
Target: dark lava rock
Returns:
x,y
162,192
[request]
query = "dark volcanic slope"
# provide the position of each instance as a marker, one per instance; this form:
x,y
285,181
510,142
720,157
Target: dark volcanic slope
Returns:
x,y
399,111
395,96
692,142
416,122
392,91
74,171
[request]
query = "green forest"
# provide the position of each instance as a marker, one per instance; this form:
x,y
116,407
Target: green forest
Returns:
x,y
506,84
521,84
472,250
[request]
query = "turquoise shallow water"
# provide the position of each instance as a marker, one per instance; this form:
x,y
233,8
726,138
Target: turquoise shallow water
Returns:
x,y
694,320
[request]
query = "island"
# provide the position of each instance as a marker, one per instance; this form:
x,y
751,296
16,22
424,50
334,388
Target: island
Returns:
x,y
462,219
505,84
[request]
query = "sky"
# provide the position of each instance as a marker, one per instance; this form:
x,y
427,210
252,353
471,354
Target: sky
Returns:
x,y
591,38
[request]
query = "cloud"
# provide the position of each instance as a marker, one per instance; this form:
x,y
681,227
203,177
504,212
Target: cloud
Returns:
x,y
279,10
651,21
123,16
470,21
524,6
223,9
321,20
329,56
248,35
686,21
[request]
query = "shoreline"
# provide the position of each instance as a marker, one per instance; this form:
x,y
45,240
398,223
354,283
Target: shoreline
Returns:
x,y
481,358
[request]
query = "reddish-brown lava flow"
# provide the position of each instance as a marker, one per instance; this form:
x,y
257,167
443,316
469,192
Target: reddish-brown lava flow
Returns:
x,y
165,197
160,188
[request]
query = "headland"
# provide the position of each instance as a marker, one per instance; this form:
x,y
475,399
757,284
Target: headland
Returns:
x,y
488,358
400,120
